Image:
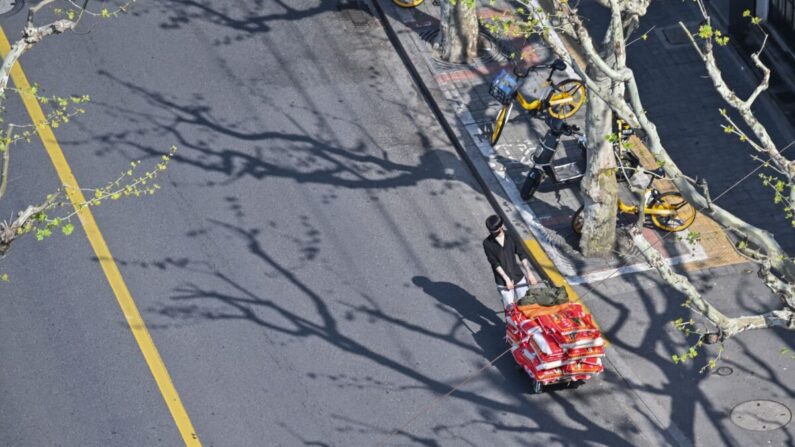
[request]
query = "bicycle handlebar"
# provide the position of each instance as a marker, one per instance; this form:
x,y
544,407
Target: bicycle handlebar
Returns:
x,y
555,65
518,73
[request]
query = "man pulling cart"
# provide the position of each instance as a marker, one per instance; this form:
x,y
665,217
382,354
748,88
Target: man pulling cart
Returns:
x,y
552,339
501,250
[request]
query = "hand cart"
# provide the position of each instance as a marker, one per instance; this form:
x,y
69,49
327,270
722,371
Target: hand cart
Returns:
x,y
554,343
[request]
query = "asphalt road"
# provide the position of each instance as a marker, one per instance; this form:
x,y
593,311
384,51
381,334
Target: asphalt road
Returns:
x,y
311,271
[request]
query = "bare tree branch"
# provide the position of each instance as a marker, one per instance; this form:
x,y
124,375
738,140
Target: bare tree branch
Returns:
x,y
763,85
728,326
5,147
766,143
634,113
584,39
543,23
31,35
784,290
9,232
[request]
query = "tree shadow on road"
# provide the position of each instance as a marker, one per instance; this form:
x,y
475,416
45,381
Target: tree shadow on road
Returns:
x,y
301,156
245,20
490,335
178,13
655,344
692,392
228,300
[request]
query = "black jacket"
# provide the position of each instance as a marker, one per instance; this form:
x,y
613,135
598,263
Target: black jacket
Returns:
x,y
505,257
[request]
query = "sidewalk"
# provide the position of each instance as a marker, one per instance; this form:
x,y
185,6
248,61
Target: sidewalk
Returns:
x,y
631,304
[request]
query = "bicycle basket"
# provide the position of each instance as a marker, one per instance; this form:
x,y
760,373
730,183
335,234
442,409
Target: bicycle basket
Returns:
x,y
503,87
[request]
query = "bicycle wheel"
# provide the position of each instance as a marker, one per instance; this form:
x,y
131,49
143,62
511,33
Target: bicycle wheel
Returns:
x,y
683,216
499,124
572,94
577,221
407,3
535,386
531,184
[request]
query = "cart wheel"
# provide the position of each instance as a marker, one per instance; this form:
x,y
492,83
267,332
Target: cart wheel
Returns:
x,y
535,386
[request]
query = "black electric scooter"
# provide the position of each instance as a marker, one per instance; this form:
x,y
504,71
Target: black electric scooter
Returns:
x,y
542,160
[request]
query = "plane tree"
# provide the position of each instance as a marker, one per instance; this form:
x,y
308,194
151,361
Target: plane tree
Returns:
x,y
459,30
56,210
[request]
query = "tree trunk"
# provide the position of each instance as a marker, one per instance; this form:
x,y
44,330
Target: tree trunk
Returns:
x,y
599,186
459,40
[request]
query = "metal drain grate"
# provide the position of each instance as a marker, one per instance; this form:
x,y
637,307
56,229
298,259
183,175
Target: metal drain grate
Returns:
x,y
674,37
761,415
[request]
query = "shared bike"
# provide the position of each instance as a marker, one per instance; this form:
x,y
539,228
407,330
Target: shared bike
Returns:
x,y
561,101
669,211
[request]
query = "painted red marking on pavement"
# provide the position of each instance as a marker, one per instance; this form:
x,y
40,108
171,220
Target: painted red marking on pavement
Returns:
x,y
476,73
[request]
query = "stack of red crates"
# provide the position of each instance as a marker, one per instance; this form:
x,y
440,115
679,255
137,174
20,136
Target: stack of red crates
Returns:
x,y
555,343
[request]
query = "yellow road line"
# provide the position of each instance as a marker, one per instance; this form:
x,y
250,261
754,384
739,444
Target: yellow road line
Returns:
x,y
137,325
554,276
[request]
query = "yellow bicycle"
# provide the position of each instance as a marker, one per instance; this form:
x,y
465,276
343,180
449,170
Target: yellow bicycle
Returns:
x,y
561,101
669,211
407,3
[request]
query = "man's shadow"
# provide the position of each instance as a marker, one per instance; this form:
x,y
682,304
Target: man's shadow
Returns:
x,y
491,335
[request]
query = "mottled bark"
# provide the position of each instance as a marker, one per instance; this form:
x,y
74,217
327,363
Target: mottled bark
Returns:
x,y
459,37
632,110
599,185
